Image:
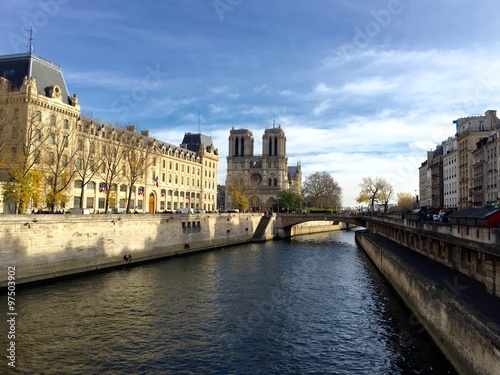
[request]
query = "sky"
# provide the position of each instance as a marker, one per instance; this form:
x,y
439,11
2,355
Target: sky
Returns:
x,y
361,88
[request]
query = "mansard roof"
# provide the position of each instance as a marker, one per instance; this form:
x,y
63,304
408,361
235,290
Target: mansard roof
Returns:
x,y
87,121
193,141
292,171
16,67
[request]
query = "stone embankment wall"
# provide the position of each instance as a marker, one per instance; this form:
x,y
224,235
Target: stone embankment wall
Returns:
x,y
461,333
311,227
48,246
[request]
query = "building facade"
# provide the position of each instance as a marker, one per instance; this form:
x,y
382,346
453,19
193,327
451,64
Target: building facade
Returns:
x,y
450,167
463,172
470,130
262,177
82,162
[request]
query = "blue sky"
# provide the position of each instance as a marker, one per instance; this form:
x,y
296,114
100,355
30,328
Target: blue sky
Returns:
x,y
361,88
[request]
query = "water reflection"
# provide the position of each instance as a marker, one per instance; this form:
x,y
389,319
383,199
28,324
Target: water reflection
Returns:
x,y
313,304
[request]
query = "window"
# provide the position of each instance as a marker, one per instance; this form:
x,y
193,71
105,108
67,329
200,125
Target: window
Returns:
x,y
76,202
101,203
38,116
91,185
52,120
78,164
78,185
80,145
66,124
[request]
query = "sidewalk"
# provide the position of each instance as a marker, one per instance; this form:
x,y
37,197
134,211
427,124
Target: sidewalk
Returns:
x,y
463,287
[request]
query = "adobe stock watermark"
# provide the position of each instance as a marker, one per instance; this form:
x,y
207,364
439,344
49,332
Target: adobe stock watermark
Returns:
x,y
138,94
223,6
363,36
48,9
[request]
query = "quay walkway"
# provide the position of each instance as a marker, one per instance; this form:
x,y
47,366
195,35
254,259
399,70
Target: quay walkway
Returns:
x,y
466,289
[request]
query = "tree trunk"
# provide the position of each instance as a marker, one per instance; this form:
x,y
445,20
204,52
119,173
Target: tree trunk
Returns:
x,y
128,198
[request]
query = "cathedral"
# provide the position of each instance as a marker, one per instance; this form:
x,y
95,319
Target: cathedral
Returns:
x,y
262,176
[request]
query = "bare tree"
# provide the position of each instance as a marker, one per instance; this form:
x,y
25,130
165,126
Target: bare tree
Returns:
x,y
110,168
137,161
375,190
321,190
59,163
87,162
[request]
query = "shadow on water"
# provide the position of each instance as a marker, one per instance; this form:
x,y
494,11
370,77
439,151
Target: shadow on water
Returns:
x,y
313,304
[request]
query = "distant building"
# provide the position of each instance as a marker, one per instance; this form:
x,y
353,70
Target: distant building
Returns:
x,y
450,170
264,176
41,126
463,171
470,130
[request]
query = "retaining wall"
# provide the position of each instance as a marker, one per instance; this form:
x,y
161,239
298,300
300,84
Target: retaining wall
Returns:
x,y
47,246
464,336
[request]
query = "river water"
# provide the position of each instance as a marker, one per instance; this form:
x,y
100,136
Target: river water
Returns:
x,y
310,305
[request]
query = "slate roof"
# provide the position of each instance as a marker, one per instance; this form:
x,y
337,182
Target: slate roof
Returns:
x,y
120,130
475,213
16,67
194,140
292,171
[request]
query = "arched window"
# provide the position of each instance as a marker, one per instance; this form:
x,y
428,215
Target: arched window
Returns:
x,y
242,146
275,182
275,146
270,146
236,146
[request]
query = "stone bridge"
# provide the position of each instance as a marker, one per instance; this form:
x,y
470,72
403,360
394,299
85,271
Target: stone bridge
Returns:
x,y
284,222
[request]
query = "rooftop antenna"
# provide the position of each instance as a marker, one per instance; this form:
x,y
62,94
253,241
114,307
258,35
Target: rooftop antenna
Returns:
x,y
30,46
30,40
199,121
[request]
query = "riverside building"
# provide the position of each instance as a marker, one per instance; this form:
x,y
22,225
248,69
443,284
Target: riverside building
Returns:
x,y
61,159
463,172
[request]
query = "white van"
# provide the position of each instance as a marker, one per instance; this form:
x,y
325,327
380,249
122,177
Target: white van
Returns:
x,y
185,210
78,211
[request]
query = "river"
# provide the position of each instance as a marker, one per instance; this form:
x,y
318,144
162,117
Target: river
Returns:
x,y
309,305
